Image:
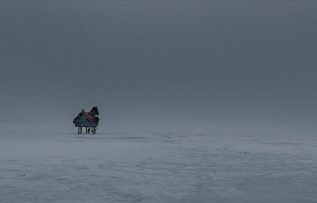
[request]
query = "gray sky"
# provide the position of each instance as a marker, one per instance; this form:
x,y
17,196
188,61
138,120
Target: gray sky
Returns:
x,y
160,63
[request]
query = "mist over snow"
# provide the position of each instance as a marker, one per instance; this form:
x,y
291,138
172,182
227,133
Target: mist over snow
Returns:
x,y
200,101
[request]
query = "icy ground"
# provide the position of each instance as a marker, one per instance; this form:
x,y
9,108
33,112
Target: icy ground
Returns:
x,y
43,163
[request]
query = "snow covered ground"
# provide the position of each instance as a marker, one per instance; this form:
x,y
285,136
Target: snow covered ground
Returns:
x,y
40,162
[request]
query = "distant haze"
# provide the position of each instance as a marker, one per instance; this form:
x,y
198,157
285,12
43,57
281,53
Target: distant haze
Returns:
x,y
160,63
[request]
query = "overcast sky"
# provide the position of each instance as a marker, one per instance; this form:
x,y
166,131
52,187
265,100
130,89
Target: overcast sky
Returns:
x,y
160,62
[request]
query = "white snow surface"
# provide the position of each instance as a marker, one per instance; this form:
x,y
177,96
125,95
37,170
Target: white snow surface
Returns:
x,y
44,162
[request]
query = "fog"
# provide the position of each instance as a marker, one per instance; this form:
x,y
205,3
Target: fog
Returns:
x,y
200,101
163,64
